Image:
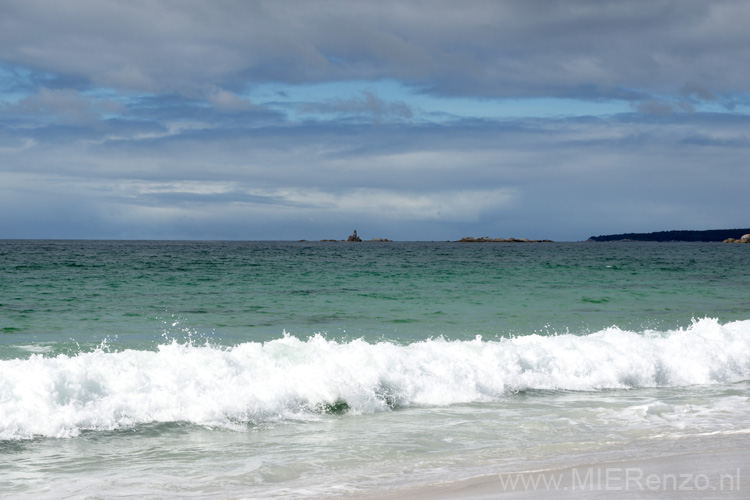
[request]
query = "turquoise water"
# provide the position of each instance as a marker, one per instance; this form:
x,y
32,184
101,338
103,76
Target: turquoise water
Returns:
x,y
135,293
312,369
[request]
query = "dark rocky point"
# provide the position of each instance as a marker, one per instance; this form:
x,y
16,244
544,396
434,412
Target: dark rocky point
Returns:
x,y
715,235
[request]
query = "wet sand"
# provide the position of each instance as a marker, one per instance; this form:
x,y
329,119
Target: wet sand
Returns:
x,y
721,474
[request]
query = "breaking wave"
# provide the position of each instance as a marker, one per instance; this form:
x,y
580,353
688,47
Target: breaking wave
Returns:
x,y
289,378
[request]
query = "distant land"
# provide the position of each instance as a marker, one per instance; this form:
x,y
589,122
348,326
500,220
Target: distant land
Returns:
x,y
716,235
487,239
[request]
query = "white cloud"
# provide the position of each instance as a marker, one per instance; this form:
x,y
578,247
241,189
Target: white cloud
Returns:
x,y
447,205
451,206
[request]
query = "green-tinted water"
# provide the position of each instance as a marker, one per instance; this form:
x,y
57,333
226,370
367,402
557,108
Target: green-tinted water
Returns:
x,y
135,293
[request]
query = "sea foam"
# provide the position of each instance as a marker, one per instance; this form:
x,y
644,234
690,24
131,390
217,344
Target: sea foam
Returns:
x,y
289,378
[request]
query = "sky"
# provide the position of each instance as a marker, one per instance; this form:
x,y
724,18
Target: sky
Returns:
x,y
407,120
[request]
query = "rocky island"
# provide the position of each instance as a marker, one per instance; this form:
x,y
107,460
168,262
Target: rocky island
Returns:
x,y
355,237
487,239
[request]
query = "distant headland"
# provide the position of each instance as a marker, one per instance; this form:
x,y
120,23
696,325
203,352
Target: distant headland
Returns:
x,y
710,235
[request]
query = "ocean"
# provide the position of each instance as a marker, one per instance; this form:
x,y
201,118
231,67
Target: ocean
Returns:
x,y
229,370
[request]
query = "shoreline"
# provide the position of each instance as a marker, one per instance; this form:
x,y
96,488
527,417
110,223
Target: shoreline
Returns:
x,y
721,474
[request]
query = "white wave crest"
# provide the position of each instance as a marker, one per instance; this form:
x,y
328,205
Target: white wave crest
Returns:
x,y
290,378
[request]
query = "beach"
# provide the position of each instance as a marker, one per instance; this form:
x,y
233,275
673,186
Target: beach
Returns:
x,y
695,474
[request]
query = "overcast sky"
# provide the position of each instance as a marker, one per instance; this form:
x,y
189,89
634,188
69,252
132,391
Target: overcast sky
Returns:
x,y
409,120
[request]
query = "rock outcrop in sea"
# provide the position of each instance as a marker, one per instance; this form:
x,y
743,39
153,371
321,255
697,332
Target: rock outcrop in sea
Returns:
x,y
355,237
487,239
745,238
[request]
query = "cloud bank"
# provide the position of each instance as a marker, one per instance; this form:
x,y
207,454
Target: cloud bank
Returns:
x,y
305,119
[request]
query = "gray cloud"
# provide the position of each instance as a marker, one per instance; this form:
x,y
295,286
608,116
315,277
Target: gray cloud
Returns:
x,y
368,104
660,107
580,48
129,119
224,100
65,105
694,91
561,179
